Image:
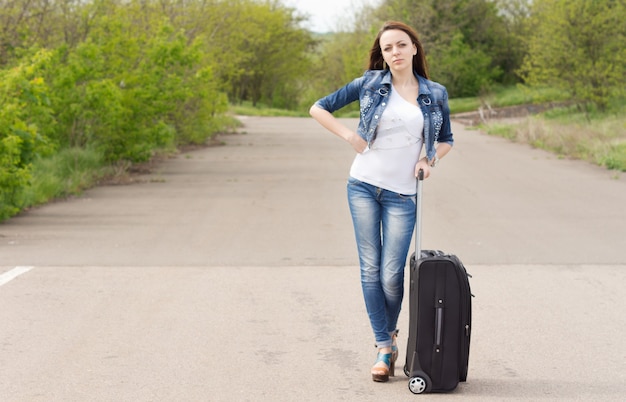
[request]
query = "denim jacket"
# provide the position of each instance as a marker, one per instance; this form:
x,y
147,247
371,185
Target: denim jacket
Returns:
x,y
372,89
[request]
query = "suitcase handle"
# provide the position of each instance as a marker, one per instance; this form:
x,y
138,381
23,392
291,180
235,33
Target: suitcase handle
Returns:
x,y
418,214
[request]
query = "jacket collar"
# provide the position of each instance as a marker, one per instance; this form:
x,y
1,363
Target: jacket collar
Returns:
x,y
423,88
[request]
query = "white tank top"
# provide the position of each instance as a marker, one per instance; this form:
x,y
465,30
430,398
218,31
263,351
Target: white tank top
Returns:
x,y
390,161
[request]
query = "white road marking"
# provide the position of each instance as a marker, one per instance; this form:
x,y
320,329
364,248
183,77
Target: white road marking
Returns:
x,y
12,274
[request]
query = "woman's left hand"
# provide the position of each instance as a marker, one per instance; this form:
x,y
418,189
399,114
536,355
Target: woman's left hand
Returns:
x,y
422,164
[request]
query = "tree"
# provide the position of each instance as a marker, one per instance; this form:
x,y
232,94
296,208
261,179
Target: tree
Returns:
x,y
466,71
258,51
578,46
44,23
516,14
448,26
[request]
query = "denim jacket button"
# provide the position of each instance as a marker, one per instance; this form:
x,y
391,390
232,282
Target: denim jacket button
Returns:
x,y
376,117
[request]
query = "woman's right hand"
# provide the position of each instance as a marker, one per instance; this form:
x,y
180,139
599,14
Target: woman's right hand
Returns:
x,y
328,121
358,143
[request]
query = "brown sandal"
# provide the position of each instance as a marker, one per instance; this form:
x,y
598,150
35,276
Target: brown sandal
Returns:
x,y
381,374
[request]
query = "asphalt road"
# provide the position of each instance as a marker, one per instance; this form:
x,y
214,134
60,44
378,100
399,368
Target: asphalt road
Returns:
x,y
230,274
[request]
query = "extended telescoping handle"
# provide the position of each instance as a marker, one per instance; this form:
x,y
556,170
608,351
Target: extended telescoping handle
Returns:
x,y
418,214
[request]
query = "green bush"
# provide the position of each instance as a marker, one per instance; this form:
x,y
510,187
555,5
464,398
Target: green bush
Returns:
x,y
130,92
125,92
105,97
24,119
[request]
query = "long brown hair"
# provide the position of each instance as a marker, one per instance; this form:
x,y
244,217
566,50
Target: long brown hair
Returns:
x,y
376,55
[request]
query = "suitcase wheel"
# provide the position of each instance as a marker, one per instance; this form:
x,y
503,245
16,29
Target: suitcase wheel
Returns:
x,y
406,371
418,385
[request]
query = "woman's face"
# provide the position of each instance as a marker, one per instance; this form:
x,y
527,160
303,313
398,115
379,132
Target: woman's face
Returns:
x,y
397,49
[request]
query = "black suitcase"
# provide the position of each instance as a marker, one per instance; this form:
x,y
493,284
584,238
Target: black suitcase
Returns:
x,y
440,317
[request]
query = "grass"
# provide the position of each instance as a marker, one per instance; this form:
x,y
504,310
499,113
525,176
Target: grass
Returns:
x,y
66,173
498,97
596,137
506,96
246,109
70,171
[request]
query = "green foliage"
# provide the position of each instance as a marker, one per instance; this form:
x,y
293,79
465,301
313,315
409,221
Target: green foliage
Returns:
x,y
469,43
65,173
24,116
130,90
124,84
94,103
599,138
341,57
503,96
259,52
503,130
247,109
578,46
464,71
615,157
13,177
112,82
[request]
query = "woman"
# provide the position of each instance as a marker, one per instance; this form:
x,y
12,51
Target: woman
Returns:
x,y
400,111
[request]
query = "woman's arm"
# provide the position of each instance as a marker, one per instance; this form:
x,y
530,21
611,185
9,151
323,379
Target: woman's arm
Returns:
x,y
424,164
329,122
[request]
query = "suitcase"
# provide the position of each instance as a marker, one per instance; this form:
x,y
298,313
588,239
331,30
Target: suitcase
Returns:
x,y
440,315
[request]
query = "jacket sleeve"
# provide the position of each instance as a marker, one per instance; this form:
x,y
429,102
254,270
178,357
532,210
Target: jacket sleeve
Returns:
x,y
341,97
446,130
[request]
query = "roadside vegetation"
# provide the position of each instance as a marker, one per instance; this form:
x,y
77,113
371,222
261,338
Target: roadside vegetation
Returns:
x,y
593,136
91,89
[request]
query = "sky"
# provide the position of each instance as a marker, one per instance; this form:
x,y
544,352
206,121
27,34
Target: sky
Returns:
x,y
326,15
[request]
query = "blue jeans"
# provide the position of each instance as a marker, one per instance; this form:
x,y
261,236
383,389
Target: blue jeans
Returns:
x,y
383,225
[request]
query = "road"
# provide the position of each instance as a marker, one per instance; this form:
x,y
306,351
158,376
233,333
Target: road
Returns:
x,y
229,273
